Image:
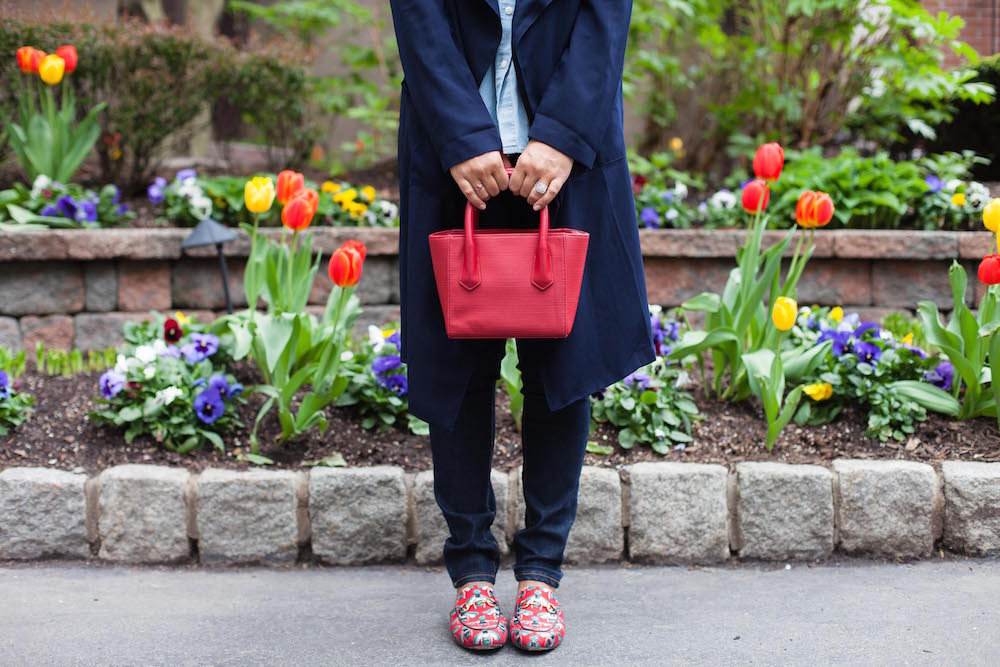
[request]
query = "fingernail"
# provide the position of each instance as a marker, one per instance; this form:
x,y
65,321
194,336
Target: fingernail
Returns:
x,y
537,207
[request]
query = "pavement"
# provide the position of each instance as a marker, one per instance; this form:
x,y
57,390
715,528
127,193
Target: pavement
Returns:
x,y
844,612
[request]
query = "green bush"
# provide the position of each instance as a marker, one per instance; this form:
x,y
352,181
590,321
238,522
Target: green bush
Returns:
x,y
156,81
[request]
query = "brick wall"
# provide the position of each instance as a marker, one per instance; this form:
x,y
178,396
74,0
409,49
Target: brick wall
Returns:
x,y
982,22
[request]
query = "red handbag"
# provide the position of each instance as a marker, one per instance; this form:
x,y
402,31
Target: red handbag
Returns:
x,y
508,283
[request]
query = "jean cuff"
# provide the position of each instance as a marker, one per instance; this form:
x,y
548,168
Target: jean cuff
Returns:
x,y
483,576
546,576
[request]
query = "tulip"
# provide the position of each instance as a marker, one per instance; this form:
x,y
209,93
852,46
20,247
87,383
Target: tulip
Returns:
x,y
819,391
991,215
258,194
768,161
345,267
755,196
356,245
784,313
814,209
298,212
51,69
289,183
68,53
29,58
989,270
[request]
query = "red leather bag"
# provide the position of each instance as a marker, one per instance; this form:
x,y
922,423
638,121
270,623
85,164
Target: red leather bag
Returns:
x,y
508,283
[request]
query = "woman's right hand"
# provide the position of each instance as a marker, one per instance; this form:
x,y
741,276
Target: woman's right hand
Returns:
x,y
488,169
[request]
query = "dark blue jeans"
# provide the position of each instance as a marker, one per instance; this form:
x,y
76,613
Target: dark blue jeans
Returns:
x,y
553,445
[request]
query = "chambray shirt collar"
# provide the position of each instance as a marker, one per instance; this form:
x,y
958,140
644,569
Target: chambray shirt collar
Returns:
x,y
499,88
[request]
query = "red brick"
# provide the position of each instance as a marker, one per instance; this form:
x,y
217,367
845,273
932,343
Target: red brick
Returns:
x,y
670,280
54,331
144,286
902,284
975,245
836,282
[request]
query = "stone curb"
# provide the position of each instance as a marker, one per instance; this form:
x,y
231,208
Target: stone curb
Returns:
x,y
651,512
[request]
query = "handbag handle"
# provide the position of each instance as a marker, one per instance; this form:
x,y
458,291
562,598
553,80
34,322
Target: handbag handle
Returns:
x,y
541,274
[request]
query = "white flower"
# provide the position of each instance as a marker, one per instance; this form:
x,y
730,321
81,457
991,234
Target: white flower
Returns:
x,y
159,347
659,433
680,191
655,309
148,372
201,207
189,189
346,355
672,214
953,184
682,379
723,199
389,211
370,217
167,396
884,334
876,88
375,337
146,354
121,364
42,182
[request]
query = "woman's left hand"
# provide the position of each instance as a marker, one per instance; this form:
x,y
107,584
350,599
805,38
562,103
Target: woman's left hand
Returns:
x,y
540,163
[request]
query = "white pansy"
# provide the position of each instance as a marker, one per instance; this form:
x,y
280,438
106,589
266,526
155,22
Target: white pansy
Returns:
x,y
148,372
346,355
201,207
672,214
167,396
723,199
146,354
680,191
683,379
42,182
389,211
121,364
884,334
159,347
655,309
953,184
375,337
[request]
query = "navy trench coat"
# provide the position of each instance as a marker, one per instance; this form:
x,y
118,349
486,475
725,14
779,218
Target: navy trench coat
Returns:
x,y
569,56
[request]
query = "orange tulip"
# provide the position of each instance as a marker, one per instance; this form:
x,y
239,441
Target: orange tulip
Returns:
x,y
289,183
299,211
29,58
755,196
768,161
357,245
345,266
68,53
814,209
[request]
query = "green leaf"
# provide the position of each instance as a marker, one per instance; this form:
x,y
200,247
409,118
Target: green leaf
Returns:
x,y
926,395
626,438
130,413
335,460
600,450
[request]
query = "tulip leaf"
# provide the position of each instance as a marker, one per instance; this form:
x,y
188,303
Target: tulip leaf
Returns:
x,y
706,301
926,395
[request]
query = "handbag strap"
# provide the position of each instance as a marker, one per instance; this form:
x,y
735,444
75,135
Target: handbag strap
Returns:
x,y
541,274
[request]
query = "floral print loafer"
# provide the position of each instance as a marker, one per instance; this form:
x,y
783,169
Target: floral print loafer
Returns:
x,y
537,623
476,620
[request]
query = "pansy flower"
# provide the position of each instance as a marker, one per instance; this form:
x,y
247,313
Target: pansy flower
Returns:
x,y
397,384
111,383
637,377
868,352
201,347
4,385
172,330
208,405
385,363
942,376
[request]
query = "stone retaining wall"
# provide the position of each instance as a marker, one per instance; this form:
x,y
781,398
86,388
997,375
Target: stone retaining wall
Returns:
x,y
647,512
75,288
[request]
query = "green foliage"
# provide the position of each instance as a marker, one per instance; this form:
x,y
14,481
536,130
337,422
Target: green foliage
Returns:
x,y
36,208
14,364
806,69
15,406
66,364
379,393
901,325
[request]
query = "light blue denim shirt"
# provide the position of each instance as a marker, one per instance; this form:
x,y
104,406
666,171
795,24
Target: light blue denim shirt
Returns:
x,y
499,89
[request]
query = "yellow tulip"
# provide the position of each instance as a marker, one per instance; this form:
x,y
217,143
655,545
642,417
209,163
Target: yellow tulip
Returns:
x,y
51,69
958,199
259,194
818,392
369,192
784,312
329,187
908,339
836,313
991,215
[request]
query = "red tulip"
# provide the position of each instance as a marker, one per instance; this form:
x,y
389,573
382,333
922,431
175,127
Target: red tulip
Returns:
x,y
357,245
755,196
68,53
345,266
29,58
289,183
768,161
300,209
989,270
814,209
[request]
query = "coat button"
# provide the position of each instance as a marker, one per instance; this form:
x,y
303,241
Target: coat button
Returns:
x,y
508,10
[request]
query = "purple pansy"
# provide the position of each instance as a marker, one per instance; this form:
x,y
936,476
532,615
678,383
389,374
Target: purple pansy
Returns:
x,y
111,383
86,212
200,348
841,340
637,378
122,209
385,363
171,351
49,211
208,405
118,195
868,352
4,385
942,375
185,174
226,390
393,338
66,206
934,183
650,217
397,384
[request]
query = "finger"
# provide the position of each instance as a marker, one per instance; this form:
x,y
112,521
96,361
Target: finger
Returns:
x,y
500,174
534,195
528,178
471,195
516,178
490,181
549,195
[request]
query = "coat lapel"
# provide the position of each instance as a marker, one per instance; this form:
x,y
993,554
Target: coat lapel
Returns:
x,y
525,13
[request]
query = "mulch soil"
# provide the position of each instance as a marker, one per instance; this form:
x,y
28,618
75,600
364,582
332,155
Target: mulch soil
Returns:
x,y
60,435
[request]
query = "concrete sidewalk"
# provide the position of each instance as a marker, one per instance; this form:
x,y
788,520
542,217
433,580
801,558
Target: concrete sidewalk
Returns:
x,y
847,612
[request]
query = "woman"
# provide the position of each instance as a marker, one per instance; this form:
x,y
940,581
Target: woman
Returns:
x,y
536,84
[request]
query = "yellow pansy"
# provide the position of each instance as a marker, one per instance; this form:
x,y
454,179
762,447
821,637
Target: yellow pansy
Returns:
x,y
836,313
369,192
356,209
991,215
387,332
181,318
908,339
676,144
818,392
958,199
329,187
345,196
